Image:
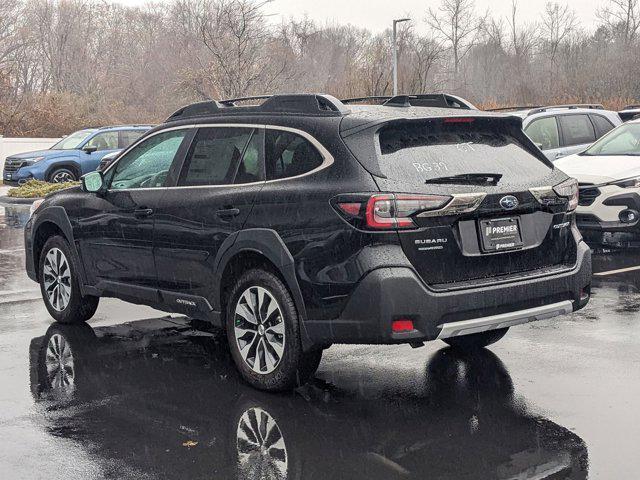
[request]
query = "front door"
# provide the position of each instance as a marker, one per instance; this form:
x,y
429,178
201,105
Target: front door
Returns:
x,y
115,228
213,197
545,134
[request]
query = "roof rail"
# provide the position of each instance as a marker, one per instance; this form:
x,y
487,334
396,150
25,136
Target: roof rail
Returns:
x,y
594,106
631,107
126,125
231,102
348,101
514,108
442,100
301,104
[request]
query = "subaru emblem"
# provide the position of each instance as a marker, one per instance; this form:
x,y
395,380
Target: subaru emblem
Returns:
x,y
509,202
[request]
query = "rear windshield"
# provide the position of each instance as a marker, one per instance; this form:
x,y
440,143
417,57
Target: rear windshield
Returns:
x,y
430,150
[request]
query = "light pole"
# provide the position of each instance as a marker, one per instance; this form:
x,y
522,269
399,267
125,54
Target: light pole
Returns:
x,y
395,55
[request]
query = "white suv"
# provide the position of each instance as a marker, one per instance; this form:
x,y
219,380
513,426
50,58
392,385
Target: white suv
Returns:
x,y
609,176
565,129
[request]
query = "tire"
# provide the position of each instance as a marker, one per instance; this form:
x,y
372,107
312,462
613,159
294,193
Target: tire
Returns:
x,y
269,358
477,340
60,286
62,175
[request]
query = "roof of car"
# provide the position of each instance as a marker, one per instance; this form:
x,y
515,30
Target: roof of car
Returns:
x,y
281,107
524,112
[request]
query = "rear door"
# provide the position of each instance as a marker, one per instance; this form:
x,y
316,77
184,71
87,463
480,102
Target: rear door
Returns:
x,y
577,133
214,193
499,228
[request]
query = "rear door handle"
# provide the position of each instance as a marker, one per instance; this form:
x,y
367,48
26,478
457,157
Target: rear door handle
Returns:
x,y
143,212
228,212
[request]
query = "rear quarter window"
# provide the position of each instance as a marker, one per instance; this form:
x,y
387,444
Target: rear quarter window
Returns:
x,y
427,151
602,124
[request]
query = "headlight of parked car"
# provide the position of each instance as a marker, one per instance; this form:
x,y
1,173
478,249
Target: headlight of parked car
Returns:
x,y
569,190
31,161
628,183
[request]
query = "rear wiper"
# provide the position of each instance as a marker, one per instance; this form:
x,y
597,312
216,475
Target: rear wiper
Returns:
x,y
468,179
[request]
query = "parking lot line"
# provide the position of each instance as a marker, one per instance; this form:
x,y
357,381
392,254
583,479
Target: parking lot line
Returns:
x,y
613,272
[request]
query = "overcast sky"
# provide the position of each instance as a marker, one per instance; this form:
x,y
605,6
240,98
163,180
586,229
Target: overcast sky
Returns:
x,y
376,15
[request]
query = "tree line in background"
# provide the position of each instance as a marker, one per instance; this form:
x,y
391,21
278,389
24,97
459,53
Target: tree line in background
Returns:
x,y
68,64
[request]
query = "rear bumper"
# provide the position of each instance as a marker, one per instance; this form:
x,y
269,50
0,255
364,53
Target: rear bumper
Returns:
x,y
388,294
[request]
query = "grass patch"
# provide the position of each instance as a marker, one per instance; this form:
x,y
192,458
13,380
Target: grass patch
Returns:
x,y
37,188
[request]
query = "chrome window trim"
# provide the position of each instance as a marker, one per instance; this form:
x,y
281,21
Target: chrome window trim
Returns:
x,y
326,156
459,203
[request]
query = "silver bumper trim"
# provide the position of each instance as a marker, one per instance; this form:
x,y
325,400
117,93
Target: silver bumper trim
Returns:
x,y
476,325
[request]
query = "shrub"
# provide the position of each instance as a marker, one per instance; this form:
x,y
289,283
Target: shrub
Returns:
x,y
38,188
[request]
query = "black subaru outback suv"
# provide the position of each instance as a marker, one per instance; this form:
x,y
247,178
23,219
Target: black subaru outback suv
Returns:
x,y
305,221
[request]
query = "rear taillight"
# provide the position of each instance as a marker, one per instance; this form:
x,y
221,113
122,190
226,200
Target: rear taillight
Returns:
x,y
569,190
391,211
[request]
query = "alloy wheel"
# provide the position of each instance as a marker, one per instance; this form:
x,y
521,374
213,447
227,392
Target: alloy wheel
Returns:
x,y
57,279
63,177
262,452
59,364
259,330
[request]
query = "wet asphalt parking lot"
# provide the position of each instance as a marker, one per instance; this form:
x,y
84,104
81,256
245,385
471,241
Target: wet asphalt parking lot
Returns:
x,y
150,396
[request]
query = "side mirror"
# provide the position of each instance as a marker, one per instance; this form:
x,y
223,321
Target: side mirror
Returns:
x,y
89,148
92,182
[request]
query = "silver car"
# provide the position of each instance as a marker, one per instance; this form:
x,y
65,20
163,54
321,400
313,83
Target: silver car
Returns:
x,y
563,130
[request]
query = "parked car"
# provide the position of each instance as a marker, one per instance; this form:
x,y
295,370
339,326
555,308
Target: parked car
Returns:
x,y
565,129
630,112
609,176
304,221
72,157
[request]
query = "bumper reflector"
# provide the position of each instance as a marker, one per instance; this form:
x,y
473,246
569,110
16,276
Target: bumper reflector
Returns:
x,y
402,326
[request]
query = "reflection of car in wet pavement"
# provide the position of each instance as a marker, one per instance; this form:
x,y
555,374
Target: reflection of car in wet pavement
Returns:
x,y
158,397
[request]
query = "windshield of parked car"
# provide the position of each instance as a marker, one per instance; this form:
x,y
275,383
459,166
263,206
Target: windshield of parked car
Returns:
x,y
624,140
73,141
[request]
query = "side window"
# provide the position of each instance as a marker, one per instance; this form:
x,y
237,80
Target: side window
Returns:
x,y
214,156
148,163
104,141
288,154
544,133
602,124
127,137
576,129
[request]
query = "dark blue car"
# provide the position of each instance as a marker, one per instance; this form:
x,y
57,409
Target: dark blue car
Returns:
x,y
72,157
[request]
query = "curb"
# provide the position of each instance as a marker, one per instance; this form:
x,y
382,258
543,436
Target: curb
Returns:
x,y
18,201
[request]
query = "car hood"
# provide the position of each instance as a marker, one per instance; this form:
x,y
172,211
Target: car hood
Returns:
x,y
46,153
599,168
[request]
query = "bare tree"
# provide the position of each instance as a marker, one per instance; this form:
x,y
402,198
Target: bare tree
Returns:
x,y
237,40
558,23
622,17
457,23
